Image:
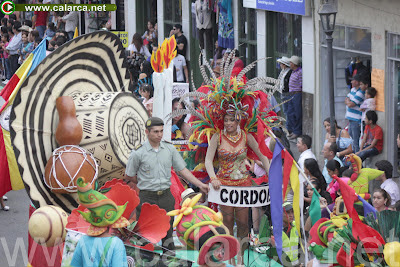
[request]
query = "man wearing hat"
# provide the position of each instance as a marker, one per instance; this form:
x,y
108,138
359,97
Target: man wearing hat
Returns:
x,y
353,101
283,78
181,41
149,166
294,113
25,28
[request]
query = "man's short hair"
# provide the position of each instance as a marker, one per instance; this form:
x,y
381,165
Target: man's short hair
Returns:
x,y
306,139
372,116
333,147
364,79
28,23
386,166
35,34
17,25
178,26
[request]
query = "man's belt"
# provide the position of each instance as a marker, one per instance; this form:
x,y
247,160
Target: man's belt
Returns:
x,y
158,193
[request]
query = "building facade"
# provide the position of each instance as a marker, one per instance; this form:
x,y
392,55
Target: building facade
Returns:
x,y
366,31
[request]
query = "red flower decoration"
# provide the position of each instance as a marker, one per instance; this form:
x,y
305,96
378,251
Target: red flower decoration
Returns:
x,y
153,223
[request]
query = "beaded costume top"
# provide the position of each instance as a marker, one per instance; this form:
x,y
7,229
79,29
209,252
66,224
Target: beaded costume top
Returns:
x,y
232,168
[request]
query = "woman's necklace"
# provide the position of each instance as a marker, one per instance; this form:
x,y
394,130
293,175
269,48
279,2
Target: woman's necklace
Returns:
x,y
233,139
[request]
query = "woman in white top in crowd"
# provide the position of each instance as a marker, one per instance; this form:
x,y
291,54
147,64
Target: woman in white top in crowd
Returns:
x,y
137,47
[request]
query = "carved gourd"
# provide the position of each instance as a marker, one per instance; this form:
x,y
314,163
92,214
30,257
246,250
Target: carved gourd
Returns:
x,y
69,130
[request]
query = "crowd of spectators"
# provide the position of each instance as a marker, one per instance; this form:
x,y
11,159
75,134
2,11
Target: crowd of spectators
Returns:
x,y
20,36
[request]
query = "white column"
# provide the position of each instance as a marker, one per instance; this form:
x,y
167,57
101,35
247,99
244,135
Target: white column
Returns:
x,y
186,10
235,15
114,18
308,55
160,20
130,18
261,41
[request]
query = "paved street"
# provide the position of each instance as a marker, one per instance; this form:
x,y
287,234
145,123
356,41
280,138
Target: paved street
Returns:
x,y
14,227
14,230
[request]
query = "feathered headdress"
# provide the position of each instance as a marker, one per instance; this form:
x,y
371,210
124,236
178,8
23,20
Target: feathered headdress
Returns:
x,y
234,95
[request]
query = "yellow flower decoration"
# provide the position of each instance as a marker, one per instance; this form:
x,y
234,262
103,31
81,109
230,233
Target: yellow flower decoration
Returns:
x,y
339,222
187,208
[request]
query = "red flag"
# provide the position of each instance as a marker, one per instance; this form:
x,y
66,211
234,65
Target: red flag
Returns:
x,y
176,189
349,196
261,127
5,183
9,88
287,167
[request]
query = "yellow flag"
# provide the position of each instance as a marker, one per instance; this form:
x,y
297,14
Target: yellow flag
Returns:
x,y
76,34
15,177
294,181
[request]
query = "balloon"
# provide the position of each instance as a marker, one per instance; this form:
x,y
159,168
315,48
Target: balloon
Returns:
x,y
392,254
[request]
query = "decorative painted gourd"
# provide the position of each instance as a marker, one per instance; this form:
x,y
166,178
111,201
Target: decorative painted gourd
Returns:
x,y
69,130
65,166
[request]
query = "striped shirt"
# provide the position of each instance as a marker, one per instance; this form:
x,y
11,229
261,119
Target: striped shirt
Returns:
x,y
296,80
357,97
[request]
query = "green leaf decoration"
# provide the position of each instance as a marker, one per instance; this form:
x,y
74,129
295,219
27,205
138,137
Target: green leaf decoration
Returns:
x,y
205,216
96,185
193,220
187,225
104,190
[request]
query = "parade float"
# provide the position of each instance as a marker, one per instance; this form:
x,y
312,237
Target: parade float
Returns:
x,y
73,117
84,83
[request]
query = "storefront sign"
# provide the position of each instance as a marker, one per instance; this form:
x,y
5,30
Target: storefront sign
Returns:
x,y
251,196
378,81
297,7
123,36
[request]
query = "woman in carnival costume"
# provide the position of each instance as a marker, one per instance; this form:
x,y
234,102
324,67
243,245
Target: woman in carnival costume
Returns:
x,y
231,108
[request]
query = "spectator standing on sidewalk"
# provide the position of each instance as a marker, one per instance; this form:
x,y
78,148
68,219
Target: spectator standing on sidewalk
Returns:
x,y
204,25
13,47
71,22
353,101
294,112
181,41
39,20
284,77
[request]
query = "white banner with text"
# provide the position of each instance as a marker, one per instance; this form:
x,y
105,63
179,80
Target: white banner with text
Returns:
x,y
235,196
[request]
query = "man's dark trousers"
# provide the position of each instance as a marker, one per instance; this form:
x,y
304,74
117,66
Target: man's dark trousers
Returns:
x,y
164,201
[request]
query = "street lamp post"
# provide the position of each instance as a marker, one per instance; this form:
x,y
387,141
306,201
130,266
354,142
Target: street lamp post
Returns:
x,y
327,13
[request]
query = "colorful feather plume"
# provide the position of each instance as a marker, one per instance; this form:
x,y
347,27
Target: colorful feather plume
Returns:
x,y
229,94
